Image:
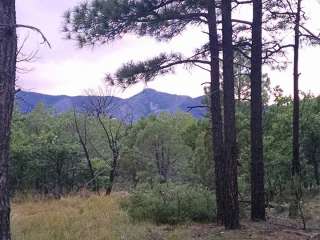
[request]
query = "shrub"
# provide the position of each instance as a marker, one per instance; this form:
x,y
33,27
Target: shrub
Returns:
x,y
171,203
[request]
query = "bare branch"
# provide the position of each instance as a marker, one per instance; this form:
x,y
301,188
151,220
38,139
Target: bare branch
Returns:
x,y
45,40
190,108
310,34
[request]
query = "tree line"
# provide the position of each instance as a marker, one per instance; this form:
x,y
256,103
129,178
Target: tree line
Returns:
x,y
57,154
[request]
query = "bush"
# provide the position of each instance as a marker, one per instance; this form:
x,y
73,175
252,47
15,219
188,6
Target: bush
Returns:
x,y
171,203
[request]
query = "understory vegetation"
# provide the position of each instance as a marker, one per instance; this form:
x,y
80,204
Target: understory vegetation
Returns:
x,y
101,217
169,203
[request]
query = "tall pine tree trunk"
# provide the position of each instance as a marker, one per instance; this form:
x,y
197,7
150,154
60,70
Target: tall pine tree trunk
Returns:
x,y
231,203
296,100
215,109
295,166
257,165
8,48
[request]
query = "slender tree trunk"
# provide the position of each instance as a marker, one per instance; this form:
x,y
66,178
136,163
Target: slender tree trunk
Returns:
x,y
112,172
61,181
231,202
83,143
316,172
257,165
296,100
8,48
215,109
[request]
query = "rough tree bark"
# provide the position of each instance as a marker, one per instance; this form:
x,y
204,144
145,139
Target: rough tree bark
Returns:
x,y
257,164
8,49
215,108
231,202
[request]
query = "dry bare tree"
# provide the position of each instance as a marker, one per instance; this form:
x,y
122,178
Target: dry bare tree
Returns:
x,y
81,129
104,108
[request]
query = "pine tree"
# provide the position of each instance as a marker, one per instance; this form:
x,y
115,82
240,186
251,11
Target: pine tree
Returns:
x,y
8,48
231,202
215,109
257,165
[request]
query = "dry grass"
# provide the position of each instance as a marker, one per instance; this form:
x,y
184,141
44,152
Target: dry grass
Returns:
x,y
93,218
100,218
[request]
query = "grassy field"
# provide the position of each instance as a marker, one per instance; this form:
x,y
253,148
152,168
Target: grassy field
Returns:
x,y
74,218
100,218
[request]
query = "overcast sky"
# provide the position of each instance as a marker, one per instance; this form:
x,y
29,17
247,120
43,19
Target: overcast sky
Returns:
x,y
66,69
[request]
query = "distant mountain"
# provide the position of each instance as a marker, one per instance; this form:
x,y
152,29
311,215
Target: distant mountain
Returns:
x,y
141,105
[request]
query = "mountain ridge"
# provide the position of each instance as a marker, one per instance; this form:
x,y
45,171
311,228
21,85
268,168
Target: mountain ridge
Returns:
x,y
148,102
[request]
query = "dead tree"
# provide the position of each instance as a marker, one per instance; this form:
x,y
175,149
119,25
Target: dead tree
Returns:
x,y
83,140
102,106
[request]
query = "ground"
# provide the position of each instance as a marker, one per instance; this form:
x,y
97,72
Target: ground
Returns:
x,y
100,218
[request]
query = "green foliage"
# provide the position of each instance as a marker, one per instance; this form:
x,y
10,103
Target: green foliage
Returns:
x,y
278,149
43,151
132,73
171,203
201,168
278,144
46,156
156,150
101,21
310,138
